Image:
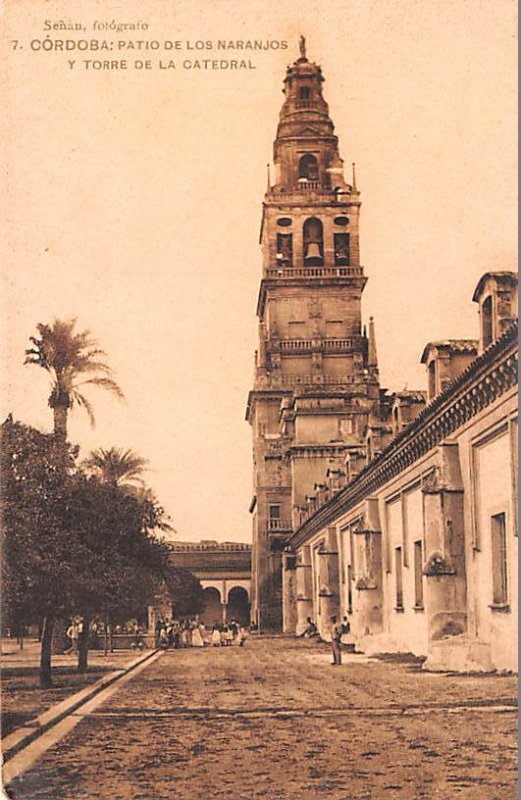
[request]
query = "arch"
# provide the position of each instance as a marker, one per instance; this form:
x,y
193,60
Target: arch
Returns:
x,y
238,588
212,609
238,605
313,234
308,167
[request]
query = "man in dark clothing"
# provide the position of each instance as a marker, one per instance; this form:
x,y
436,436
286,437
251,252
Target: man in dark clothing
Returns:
x,y
336,634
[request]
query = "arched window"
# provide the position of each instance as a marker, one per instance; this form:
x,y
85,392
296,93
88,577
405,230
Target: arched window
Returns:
x,y
313,242
342,249
308,168
284,249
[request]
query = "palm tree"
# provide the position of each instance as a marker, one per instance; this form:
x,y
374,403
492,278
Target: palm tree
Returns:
x,y
73,360
117,467
124,469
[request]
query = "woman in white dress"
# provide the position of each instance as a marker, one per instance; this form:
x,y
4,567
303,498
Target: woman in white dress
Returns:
x,y
202,631
216,636
197,638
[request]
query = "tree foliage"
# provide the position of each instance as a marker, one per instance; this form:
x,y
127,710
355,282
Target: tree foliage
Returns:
x,y
74,362
116,466
184,590
73,544
38,553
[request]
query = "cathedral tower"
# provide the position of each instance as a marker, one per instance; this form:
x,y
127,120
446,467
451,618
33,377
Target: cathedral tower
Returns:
x,y
316,376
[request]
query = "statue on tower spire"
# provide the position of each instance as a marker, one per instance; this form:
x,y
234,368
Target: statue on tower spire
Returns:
x,y
302,46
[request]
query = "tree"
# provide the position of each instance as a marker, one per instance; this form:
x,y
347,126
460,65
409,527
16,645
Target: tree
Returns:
x,y
124,563
72,545
184,590
39,555
117,467
74,361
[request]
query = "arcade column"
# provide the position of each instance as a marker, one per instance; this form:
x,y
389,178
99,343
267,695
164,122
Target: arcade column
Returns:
x,y
289,591
445,593
304,589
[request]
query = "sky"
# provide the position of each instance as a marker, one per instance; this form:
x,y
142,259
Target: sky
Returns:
x,y
134,200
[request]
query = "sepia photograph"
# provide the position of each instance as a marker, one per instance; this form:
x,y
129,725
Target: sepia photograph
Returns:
x,y
259,441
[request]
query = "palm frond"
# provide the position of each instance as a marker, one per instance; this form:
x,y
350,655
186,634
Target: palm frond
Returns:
x,y
80,400
104,383
68,355
117,466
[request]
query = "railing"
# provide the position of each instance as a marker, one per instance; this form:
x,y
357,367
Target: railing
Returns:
x,y
294,195
305,345
315,272
303,104
309,380
338,344
279,525
295,345
308,185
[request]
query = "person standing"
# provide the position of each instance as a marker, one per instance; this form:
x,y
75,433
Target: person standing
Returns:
x,y
73,634
336,635
216,635
197,638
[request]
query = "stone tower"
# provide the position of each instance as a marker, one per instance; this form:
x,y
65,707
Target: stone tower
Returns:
x,y
316,373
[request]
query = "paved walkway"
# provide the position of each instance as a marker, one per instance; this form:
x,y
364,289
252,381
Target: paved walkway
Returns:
x,y
274,720
22,699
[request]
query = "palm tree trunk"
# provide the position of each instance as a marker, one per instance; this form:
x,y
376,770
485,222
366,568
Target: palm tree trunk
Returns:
x,y
60,413
45,652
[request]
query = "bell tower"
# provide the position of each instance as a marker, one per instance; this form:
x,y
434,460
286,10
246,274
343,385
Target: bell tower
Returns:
x,y
316,376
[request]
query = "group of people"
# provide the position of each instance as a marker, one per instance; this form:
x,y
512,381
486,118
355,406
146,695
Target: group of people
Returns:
x,y
193,633
226,635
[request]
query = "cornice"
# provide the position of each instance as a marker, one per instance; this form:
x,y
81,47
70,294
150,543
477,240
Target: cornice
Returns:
x,y
356,281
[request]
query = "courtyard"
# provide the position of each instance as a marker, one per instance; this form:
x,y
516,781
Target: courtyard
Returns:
x,y
275,720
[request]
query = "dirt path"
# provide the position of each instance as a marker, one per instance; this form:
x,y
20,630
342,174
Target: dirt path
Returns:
x,y
274,720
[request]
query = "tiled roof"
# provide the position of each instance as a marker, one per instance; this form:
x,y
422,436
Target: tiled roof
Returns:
x,y
455,346
415,395
223,547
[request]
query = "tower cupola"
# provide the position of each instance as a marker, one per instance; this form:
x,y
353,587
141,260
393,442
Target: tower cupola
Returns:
x,y
306,148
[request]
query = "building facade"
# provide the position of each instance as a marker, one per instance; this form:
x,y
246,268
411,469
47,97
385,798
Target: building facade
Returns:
x,y
396,509
419,548
316,374
224,572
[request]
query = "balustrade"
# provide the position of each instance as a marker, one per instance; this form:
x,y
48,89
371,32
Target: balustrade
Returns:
x,y
306,345
315,272
309,380
279,525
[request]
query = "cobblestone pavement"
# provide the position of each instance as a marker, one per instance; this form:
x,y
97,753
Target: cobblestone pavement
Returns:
x,y
274,720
